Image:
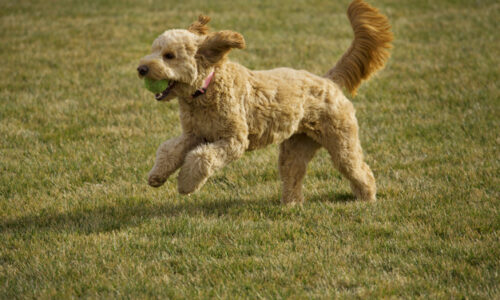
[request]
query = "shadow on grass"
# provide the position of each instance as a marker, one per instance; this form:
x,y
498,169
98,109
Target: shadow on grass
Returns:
x,y
343,197
129,212
331,197
133,212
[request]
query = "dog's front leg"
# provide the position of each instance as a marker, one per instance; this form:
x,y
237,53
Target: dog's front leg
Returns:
x,y
204,160
169,157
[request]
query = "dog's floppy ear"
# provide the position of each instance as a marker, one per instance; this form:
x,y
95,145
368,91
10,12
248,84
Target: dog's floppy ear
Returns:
x,y
200,27
216,45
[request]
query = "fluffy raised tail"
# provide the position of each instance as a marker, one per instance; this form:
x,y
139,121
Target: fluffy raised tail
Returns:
x,y
370,49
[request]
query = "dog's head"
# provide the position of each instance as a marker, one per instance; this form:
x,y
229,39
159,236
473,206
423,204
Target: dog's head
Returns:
x,y
186,57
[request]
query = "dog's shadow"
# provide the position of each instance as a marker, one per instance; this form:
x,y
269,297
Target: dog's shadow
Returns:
x,y
110,217
332,197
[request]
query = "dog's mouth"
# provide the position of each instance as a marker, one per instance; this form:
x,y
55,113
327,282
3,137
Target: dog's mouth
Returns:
x,y
162,95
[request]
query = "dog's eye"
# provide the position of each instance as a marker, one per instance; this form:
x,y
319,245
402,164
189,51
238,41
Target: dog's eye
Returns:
x,y
168,55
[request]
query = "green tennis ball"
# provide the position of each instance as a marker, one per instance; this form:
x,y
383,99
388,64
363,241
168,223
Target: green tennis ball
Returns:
x,y
155,86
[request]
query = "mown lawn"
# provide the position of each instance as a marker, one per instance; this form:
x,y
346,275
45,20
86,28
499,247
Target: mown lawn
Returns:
x,y
78,134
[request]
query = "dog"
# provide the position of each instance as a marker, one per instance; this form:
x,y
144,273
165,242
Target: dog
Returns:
x,y
227,109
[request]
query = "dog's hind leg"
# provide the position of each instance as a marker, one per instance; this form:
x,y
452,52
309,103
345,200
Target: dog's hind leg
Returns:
x,y
352,166
169,157
295,154
340,137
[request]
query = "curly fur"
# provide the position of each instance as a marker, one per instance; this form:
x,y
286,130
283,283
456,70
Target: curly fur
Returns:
x,y
244,110
369,50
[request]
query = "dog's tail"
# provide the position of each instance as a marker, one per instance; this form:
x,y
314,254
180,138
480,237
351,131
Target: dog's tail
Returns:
x,y
368,52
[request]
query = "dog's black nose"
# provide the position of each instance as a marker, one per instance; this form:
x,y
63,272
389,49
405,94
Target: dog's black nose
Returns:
x,y
143,70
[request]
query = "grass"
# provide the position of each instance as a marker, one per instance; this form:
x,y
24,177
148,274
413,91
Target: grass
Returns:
x,y
78,135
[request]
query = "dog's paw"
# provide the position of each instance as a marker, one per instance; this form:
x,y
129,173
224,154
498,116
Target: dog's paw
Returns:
x,y
189,181
155,180
194,173
292,200
188,186
364,193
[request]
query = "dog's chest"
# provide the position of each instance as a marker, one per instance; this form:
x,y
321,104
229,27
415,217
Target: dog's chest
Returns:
x,y
207,123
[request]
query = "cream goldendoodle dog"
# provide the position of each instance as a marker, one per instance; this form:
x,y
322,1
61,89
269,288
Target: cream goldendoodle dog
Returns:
x,y
227,109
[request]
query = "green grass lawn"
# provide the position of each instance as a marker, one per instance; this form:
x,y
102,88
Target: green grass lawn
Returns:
x,y
78,134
